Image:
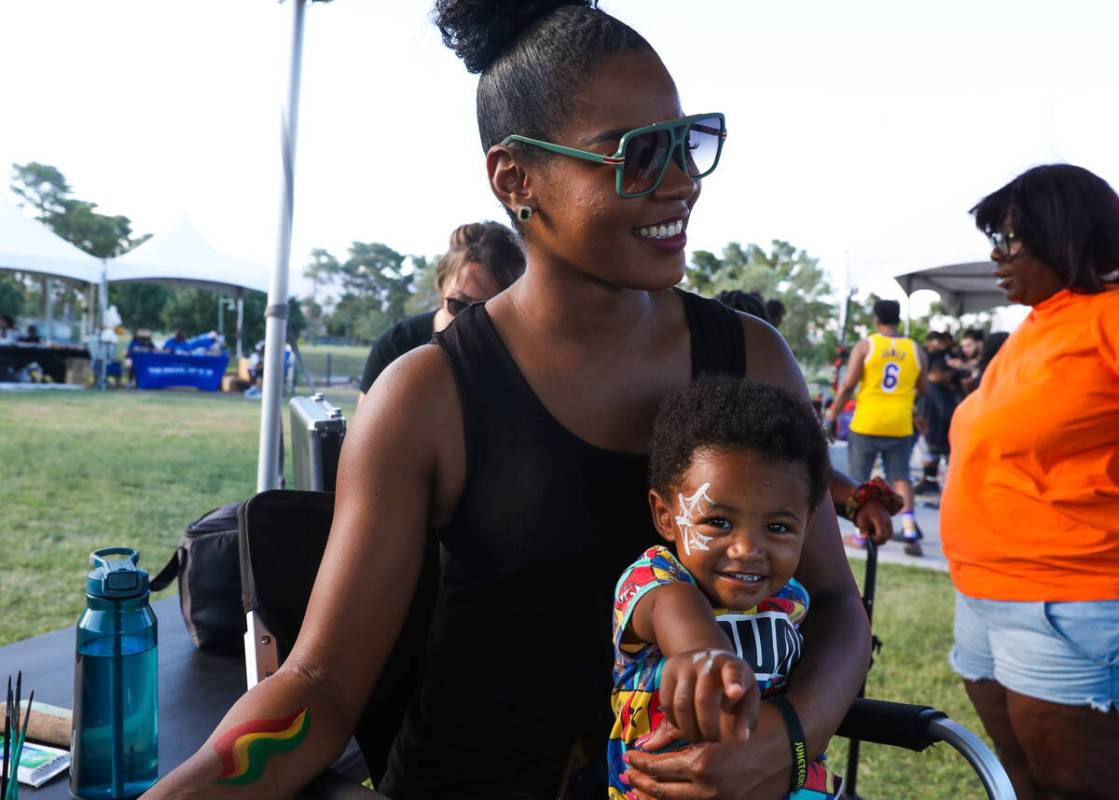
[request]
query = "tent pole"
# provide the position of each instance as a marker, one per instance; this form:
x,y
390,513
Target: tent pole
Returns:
x,y
240,323
102,313
276,312
48,309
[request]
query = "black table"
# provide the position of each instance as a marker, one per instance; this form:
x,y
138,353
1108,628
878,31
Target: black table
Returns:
x,y
195,688
15,357
195,691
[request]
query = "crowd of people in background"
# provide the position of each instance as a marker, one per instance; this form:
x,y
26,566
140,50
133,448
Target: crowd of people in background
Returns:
x,y
9,332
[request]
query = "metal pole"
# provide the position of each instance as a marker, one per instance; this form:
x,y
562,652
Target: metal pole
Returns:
x,y
48,301
276,313
221,314
240,324
102,312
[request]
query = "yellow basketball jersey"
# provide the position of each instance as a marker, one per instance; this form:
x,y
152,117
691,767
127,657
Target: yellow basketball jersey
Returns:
x,y
884,403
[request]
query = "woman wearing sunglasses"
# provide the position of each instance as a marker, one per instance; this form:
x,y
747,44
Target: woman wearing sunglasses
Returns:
x,y
519,442
1030,512
483,258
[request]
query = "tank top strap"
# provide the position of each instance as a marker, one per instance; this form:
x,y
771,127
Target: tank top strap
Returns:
x,y
718,341
490,385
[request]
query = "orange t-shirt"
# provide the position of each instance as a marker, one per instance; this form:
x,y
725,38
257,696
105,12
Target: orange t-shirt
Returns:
x,y
1031,505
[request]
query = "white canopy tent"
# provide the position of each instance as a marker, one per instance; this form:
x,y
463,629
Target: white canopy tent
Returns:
x,y
182,256
29,246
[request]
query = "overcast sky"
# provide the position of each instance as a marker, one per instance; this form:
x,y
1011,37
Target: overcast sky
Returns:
x,y
860,130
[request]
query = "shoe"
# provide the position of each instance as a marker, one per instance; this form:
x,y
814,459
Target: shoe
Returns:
x,y
927,487
913,548
855,540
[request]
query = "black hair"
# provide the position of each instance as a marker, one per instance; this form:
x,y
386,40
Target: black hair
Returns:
x,y
775,310
888,312
490,244
533,56
748,302
991,346
1066,216
938,362
720,413
975,334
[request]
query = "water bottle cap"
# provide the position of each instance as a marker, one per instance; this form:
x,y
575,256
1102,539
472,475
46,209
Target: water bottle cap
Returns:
x,y
117,578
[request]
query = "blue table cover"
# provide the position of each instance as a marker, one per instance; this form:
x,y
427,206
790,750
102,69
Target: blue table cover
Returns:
x,y
162,370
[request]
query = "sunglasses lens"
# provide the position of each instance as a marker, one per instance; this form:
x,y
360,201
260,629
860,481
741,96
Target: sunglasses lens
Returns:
x,y
645,157
702,145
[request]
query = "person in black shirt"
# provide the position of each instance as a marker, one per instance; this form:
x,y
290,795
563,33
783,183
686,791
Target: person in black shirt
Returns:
x,y
484,258
513,453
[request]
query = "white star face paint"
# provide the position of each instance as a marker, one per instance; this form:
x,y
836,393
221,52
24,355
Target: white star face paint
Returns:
x,y
691,507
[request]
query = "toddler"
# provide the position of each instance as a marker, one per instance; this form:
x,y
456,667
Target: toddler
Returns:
x,y
705,626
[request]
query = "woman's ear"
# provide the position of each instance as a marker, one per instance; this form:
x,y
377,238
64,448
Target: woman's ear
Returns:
x,y
509,182
664,520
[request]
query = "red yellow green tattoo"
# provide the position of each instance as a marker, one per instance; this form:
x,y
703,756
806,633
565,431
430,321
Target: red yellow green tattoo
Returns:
x,y
246,748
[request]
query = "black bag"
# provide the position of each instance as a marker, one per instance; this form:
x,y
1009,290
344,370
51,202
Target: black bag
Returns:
x,y
208,565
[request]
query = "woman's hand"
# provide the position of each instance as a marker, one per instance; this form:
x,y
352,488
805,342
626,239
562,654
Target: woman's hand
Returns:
x,y
757,769
875,522
709,696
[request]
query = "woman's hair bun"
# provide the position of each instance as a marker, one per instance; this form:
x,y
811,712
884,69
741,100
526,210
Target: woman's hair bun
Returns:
x,y
481,30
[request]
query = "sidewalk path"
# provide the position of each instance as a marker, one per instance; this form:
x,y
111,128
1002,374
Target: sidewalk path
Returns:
x,y
928,519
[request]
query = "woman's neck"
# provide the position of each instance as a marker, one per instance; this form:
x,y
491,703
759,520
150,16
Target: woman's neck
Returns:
x,y
578,310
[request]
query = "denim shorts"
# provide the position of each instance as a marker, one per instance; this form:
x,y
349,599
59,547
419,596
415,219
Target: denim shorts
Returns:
x,y
862,450
1065,653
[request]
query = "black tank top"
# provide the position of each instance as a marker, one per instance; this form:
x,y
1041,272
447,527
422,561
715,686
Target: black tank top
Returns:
x,y
519,654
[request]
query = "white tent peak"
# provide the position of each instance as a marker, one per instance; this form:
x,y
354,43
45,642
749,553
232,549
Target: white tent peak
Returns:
x,y
28,245
183,256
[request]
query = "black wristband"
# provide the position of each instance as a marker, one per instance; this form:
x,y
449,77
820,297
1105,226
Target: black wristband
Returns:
x,y
796,741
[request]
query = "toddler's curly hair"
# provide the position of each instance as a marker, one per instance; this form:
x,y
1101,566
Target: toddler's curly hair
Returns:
x,y
720,413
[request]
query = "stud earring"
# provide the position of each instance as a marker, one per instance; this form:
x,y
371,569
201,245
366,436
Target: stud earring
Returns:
x,y
524,213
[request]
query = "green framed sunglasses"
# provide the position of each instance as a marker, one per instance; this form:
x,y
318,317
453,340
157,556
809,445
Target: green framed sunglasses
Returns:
x,y
695,142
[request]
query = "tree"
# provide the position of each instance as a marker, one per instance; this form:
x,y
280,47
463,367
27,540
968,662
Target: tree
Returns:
x,y
40,186
377,271
424,296
375,285
45,189
11,296
784,273
140,304
322,270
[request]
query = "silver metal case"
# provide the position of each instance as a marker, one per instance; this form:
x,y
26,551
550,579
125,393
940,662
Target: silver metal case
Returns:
x,y
317,431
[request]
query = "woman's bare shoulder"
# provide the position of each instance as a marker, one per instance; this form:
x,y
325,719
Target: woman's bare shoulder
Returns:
x,y
768,357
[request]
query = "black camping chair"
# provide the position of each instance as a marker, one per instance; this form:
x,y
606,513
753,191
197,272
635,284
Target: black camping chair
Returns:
x,y
282,538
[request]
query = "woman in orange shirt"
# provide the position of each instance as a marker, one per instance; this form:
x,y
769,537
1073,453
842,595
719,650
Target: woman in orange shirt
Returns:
x,y
1030,513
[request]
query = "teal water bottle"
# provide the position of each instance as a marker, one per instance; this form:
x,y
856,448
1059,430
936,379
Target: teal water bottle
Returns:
x,y
114,743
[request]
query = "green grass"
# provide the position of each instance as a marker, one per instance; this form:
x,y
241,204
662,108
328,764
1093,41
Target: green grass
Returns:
x,y
84,470
90,469
348,361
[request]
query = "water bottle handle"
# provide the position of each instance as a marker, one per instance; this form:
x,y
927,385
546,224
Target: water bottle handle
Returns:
x,y
97,557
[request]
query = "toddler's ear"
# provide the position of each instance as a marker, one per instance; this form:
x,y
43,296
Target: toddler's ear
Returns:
x,y
664,518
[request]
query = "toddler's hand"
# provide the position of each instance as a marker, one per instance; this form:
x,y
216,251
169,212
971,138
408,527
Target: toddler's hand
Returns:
x,y
709,696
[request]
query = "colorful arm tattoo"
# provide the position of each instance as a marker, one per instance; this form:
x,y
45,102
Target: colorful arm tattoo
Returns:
x,y
246,748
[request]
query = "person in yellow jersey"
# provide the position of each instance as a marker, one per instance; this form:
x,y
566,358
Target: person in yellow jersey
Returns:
x,y
889,371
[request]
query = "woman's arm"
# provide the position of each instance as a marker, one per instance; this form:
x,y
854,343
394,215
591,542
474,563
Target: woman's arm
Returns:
x,y
391,485
831,670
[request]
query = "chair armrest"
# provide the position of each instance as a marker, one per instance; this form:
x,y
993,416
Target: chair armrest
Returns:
x,y
333,785
917,727
894,724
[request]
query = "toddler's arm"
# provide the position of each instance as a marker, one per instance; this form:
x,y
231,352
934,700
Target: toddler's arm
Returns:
x,y
708,692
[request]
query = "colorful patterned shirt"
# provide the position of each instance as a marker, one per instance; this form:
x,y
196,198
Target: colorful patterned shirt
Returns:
x,y
766,637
